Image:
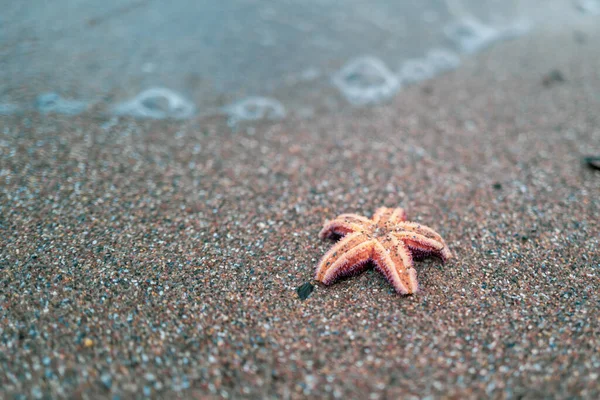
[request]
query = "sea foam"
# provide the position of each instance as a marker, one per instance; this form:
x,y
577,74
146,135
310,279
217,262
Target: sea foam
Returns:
x,y
591,7
366,80
471,35
416,70
53,103
8,109
443,59
156,103
255,108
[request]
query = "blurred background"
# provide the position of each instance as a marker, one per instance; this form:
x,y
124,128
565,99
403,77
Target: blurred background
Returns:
x,y
174,258
206,56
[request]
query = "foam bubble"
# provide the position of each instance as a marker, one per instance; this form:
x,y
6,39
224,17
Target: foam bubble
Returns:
x,y
156,103
588,6
366,80
255,108
443,59
416,70
53,103
310,74
7,109
470,35
516,29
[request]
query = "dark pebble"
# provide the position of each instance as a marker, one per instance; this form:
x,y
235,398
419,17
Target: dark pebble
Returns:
x,y
553,77
592,162
106,380
305,290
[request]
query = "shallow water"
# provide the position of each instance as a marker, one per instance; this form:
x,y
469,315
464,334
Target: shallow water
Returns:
x,y
214,54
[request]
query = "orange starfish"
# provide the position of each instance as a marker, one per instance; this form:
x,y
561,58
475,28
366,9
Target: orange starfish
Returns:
x,y
387,239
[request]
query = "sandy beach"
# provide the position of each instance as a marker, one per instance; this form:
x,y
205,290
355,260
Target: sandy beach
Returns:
x,y
162,258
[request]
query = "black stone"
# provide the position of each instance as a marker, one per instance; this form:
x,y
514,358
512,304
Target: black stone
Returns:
x,y
305,290
592,162
553,77
106,380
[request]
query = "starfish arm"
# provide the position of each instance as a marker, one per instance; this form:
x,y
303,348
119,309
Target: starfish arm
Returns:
x,y
343,225
337,252
422,229
355,218
427,232
393,215
422,246
394,261
352,262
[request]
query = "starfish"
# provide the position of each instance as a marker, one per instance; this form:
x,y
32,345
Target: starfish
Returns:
x,y
387,239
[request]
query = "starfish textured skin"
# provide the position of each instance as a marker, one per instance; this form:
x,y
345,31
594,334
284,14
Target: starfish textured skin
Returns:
x,y
387,240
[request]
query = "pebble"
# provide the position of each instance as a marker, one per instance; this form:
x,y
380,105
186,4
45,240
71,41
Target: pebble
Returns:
x,y
305,290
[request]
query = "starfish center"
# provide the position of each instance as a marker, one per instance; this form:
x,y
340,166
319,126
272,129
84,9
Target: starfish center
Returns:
x,y
380,231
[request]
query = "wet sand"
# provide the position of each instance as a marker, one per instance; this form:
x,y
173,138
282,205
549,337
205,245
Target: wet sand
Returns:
x,y
162,258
